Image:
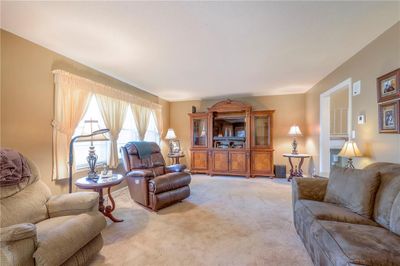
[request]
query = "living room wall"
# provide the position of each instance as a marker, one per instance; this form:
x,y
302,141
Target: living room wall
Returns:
x,y
27,100
289,110
379,57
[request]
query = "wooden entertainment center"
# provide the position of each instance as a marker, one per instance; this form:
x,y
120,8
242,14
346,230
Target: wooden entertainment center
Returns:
x,y
231,139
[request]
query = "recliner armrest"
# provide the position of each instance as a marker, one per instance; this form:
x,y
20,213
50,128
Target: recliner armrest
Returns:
x,y
175,168
72,204
145,173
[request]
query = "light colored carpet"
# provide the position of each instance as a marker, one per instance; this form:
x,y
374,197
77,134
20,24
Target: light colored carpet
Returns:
x,y
225,221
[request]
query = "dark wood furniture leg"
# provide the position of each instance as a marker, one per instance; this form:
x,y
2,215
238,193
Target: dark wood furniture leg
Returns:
x,y
107,210
292,172
300,171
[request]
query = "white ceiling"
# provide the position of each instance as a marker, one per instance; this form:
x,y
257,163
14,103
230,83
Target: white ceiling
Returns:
x,y
195,50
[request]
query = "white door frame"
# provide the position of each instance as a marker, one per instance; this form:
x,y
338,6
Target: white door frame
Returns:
x,y
324,118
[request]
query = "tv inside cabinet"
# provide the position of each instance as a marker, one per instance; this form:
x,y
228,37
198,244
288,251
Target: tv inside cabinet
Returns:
x,y
231,139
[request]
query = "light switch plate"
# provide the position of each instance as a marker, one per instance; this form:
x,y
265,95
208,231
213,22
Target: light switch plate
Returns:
x,y
353,134
357,88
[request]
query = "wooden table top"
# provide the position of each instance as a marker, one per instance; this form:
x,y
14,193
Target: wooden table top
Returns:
x,y
102,182
175,155
299,155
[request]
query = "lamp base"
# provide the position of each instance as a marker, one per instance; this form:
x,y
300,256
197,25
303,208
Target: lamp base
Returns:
x,y
92,159
294,147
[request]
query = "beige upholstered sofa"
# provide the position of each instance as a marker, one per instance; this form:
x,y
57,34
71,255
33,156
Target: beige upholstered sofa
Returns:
x,y
335,235
40,229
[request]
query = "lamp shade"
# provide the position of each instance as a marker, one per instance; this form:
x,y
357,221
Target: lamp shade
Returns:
x,y
170,134
350,150
295,131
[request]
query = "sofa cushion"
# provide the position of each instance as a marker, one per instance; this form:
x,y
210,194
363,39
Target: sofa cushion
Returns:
x,y
356,244
395,216
387,192
169,182
61,237
354,189
331,212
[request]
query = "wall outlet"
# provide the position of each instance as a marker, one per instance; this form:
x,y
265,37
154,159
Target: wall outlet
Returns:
x,y
356,88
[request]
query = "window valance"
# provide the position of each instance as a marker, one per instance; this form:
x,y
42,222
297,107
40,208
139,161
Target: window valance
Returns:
x,y
66,79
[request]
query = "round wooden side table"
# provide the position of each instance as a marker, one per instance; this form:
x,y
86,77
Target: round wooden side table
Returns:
x,y
102,182
175,157
296,171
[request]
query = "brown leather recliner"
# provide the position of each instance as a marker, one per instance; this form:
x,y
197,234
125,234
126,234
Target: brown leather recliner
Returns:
x,y
150,182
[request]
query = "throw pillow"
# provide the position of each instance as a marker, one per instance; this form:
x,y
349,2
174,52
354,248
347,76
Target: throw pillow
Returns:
x,y
354,189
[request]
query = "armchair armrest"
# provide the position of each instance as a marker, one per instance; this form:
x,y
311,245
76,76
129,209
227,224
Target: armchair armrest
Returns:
x,y
309,188
18,243
72,204
144,173
175,168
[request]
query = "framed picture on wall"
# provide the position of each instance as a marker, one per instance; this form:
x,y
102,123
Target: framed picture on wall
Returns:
x,y
389,117
388,86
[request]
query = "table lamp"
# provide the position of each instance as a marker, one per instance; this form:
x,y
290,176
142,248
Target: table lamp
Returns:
x,y
170,136
350,150
294,132
92,157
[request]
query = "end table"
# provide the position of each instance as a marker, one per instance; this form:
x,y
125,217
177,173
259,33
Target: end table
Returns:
x,y
294,171
175,157
102,182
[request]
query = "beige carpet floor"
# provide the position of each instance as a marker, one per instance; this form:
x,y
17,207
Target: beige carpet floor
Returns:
x,y
225,221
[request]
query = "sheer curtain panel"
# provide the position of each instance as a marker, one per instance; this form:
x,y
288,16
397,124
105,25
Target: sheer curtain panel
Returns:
x,y
141,116
113,112
70,106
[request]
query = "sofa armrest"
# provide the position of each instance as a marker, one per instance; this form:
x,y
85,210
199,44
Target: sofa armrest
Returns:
x,y
18,243
72,204
309,188
175,168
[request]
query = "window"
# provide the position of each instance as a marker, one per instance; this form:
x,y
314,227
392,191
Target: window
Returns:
x,y
152,132
81,149
128,133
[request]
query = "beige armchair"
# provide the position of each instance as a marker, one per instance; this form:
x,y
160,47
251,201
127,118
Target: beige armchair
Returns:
x,y
40,229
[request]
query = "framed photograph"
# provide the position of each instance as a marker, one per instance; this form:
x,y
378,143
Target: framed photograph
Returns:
x,y
388,86
174,146
389,117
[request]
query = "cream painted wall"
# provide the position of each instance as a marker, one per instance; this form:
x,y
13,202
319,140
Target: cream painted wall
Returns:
x,y
379,57
289,110
27,100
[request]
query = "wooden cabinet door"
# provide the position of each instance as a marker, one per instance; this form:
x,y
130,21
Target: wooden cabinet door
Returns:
x,y
199,130
237,162
199,160
261,129
220,161
261,163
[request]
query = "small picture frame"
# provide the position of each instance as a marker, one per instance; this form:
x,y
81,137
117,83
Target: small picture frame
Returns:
x,y
389,117
388,86
174,146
